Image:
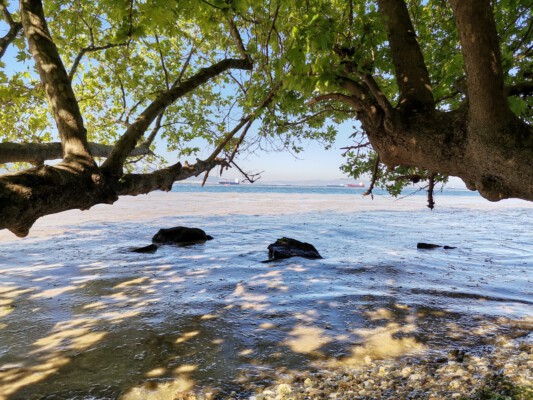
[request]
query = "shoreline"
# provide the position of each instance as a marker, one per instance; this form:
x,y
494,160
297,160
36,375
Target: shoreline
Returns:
x,y
157,205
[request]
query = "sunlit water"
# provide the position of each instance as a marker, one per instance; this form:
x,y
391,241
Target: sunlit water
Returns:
x,y
82,317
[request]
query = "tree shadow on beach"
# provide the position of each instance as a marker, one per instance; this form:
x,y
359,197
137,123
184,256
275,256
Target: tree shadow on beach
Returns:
x,y
122,325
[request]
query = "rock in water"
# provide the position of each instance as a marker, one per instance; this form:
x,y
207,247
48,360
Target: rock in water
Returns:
x,y
427,246
151,248
432,246
180,235
287,247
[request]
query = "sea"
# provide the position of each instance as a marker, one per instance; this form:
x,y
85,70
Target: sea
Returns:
x,y
83,317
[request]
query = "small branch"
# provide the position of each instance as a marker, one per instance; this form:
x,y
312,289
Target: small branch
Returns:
x,y
431,189
14,29
239,142
90,49
184,68
249,118
375,174
350,100
155,130
163,65
248,177
238,39
382,100
357,147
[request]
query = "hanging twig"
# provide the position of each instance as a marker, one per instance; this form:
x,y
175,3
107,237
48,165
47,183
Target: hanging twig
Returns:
x,y
431,188
375,173
248,177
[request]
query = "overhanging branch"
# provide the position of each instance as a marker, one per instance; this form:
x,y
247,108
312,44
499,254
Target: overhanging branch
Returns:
x,y
37,153
163,179
14,29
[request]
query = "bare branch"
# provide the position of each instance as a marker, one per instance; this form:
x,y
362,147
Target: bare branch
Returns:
x,y
350,100
249,177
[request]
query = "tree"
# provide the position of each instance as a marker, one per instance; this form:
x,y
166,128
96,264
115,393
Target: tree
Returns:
x,y
439,88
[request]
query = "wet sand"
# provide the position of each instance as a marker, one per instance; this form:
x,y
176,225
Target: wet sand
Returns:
x,y
81,317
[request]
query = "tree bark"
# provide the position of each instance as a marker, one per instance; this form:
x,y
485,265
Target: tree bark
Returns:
x,y
56,83
14,29
410,69
482,141
38,153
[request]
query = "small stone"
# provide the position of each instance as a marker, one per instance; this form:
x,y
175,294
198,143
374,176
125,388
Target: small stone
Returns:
x,y
309,383
414,377
284,389
406,372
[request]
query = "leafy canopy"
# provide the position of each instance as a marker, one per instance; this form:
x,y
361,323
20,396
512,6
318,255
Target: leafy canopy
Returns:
x,y
122,54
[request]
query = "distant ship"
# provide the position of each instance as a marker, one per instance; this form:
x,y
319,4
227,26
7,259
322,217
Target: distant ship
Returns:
x,y
356,185
228,182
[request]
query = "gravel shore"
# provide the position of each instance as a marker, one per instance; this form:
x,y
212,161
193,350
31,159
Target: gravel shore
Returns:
x,y
502,372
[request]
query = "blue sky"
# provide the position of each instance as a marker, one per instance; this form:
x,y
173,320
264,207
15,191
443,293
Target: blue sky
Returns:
x,y
314,162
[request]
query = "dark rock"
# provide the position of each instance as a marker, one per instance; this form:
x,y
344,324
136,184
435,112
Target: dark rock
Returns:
x,y
180,235
427,246
432,246
151,248
287,247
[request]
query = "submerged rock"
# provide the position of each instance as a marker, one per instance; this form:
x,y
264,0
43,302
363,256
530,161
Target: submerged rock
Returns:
x,y
432,246
287,247
151,248
180,235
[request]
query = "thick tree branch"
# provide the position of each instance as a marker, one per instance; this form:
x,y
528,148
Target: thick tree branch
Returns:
x,y
37,153
411,72
56,83
113,165
520,89
135,184
14,29
481,52
349,100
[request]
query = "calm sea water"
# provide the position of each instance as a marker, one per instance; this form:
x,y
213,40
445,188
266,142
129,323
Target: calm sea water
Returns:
x,y
299,189
82,317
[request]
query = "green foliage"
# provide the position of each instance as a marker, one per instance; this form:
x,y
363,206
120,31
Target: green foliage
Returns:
x,y
144,48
